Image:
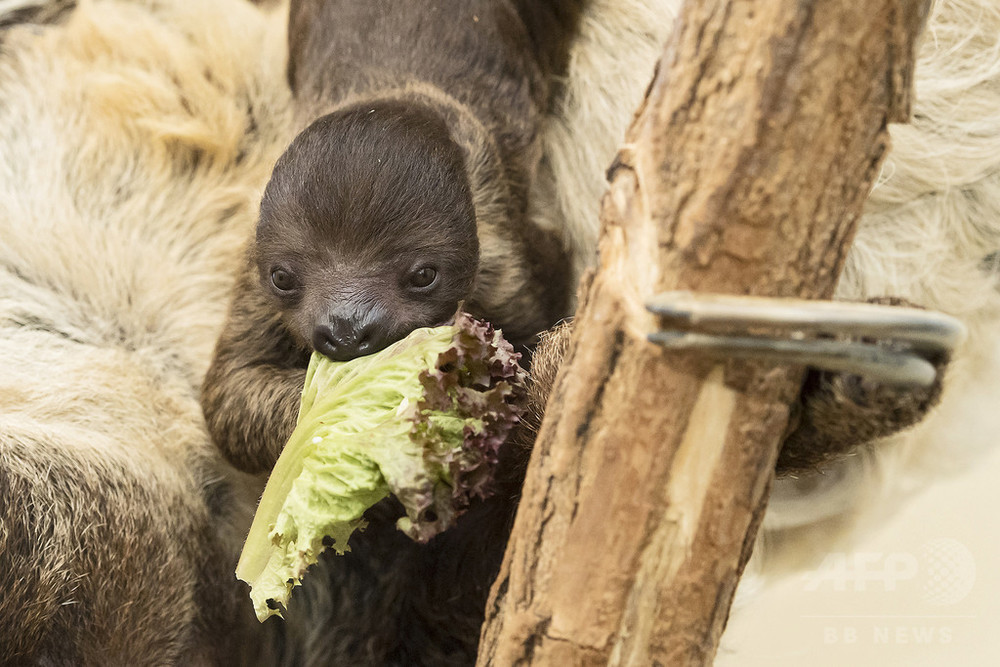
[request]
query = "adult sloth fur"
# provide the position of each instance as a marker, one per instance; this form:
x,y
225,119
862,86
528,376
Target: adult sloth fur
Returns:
x,y
134,141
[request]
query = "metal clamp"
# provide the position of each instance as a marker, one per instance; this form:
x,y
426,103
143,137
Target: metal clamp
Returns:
x,y
904,338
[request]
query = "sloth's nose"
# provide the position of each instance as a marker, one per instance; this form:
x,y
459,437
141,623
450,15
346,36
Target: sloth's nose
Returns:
x,y
343,339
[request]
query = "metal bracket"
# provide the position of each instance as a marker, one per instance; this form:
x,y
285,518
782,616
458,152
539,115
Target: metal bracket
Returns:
x,y
791,331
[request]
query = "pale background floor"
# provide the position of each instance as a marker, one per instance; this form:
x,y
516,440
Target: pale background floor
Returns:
x,y
922,590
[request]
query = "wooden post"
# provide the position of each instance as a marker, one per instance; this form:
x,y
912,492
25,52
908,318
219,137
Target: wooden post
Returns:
x,y
744,172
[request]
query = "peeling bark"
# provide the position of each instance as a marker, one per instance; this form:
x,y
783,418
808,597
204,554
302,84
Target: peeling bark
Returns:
x,y
744,172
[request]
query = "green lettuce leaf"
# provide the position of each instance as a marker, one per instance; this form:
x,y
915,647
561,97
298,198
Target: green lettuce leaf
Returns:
x,y
422,420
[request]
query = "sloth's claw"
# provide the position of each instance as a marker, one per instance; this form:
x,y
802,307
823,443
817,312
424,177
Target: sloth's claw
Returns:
x,y
904,342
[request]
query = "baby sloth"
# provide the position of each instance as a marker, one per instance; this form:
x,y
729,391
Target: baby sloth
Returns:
x,y
367,229
403,199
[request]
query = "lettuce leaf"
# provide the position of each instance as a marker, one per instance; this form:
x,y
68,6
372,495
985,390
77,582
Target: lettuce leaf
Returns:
x,y
422,420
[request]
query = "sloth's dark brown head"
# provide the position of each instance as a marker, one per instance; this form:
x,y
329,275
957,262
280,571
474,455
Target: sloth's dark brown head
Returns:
x,y
367,229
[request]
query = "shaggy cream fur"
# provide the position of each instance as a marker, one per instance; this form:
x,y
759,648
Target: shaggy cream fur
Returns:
x,y
134,142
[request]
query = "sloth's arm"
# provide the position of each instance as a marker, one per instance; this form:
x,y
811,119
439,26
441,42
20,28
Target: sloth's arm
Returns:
x,y
839,412
836,412
251,392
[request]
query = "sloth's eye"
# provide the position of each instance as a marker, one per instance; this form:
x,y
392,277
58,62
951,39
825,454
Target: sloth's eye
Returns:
x,y
423,277
283,280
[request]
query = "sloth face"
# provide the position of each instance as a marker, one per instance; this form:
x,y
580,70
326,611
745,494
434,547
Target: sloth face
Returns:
x,y
367,229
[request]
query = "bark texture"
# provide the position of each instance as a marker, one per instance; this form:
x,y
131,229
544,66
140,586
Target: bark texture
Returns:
x,y
744,172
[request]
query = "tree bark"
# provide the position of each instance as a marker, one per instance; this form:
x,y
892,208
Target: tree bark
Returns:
x,y
744,172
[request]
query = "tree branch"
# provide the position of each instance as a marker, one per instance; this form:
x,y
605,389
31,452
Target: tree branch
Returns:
x,y
744,172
